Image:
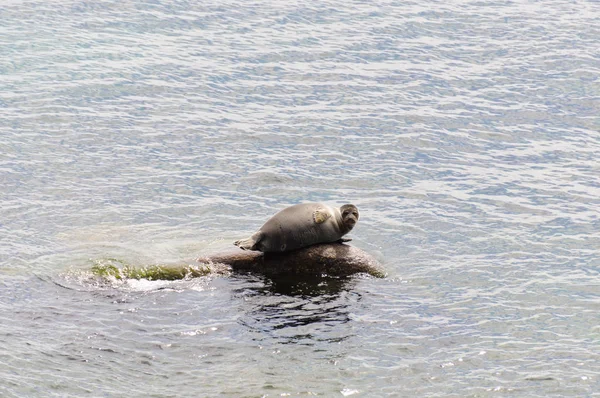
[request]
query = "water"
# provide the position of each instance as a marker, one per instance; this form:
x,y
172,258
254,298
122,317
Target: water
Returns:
x,y
466,132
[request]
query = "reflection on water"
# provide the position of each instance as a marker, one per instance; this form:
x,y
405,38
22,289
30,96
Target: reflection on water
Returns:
x,y
299,310
311,286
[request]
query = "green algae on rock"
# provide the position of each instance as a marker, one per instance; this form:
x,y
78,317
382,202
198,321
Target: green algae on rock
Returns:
x,y
119,270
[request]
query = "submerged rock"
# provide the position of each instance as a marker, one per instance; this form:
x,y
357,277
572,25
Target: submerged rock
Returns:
x,y
334,259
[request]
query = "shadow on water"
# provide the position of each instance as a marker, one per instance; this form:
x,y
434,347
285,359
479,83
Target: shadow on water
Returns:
x,y
292,309
306,286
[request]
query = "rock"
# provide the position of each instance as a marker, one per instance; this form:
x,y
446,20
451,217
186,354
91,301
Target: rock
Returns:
x,y
333,259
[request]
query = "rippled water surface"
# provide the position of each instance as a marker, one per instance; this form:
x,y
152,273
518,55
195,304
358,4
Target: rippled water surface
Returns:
x,y
467,133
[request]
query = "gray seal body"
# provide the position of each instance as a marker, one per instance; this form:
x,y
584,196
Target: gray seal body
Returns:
x,y
300,226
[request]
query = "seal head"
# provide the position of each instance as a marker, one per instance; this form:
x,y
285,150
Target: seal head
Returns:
x,y
349,216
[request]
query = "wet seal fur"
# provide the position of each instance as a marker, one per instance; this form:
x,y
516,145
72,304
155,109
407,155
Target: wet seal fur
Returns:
x,y
301,226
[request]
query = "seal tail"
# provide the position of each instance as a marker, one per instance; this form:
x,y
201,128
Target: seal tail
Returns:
x,y
249,243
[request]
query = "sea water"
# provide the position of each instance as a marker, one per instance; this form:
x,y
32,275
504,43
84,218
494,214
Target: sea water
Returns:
x,y
151,132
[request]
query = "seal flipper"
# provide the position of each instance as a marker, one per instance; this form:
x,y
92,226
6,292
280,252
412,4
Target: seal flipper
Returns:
x,y
250,243
343,240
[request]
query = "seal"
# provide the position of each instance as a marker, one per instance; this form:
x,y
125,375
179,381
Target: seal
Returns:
x,y
300,226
